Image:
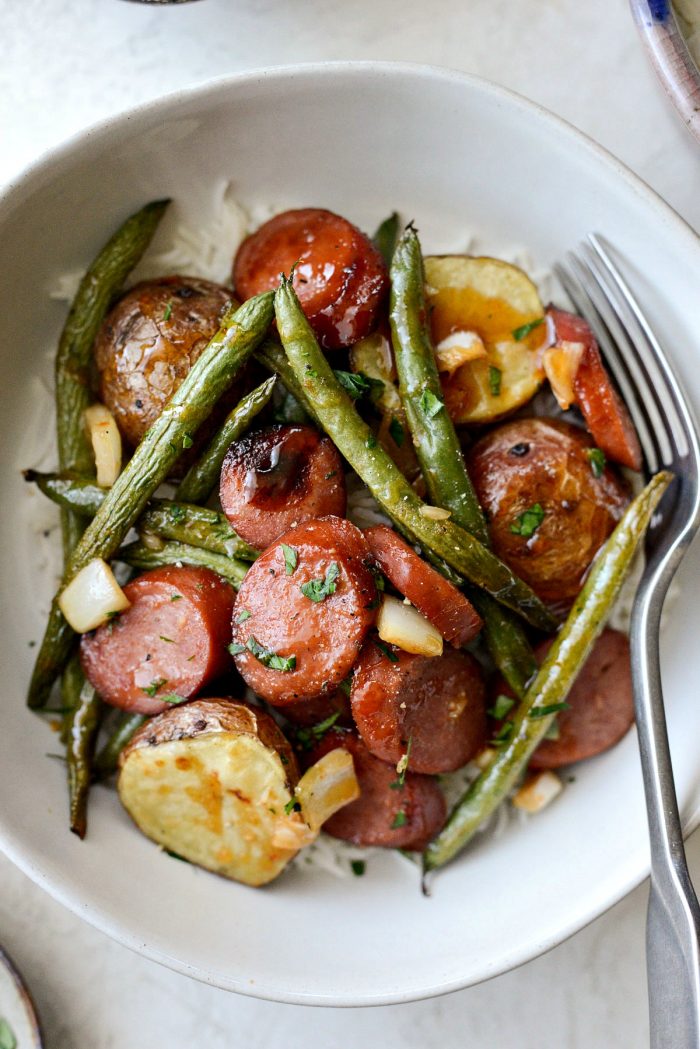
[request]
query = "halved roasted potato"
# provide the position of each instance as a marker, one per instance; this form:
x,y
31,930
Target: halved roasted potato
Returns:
x,y
497,302
210,780
214,781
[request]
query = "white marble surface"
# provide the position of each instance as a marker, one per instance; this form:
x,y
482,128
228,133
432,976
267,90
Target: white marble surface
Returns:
x,y
67,63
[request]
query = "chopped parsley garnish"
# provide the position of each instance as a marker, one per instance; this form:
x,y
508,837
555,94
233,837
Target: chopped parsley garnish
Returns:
x,y
402,767
168,311
111,619
235,648
290,558
543,712
168,639
596,457
345,685
176,597
396,431
151,689
371,441
502,706
178,514
430,405
267,658
243,615
386,651
495,376
358,867
400,820
306,738
292,806
504,734
319,589
528,522
173,698
187,441
357,384
524,330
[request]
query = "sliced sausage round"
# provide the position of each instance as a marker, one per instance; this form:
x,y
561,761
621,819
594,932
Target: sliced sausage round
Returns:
x,y
440,602
148,343
307,712
435,705
339,276
170,642
303,611
386,813
601,705
549,507
279,477
602,407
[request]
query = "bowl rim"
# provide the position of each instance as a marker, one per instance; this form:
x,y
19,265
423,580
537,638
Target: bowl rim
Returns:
x,y
670,56
49,161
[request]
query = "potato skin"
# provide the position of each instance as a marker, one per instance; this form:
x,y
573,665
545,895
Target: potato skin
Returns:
x,y
149,341
530,461
188,720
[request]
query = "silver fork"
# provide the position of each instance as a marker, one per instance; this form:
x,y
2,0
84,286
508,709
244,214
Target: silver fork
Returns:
x,y
668,435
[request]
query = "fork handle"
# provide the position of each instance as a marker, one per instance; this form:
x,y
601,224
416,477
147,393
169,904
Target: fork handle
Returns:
x,y
673,917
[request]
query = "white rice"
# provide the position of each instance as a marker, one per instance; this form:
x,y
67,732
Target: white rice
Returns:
x,y
202,242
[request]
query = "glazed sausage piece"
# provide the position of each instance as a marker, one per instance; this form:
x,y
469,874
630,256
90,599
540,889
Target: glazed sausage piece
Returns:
x,y
601,706
307,712
385,814
148,343
303,611
439,601
548,512
339,276
438,704
171,641
279,477
605,414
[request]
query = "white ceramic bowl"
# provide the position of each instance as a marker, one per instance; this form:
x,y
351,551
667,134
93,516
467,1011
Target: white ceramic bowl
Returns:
x,y
457,155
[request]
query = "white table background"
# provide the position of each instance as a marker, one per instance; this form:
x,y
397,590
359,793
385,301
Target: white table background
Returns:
x,y
68,63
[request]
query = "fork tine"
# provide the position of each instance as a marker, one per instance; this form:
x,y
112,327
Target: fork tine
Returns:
x,y
582,302
620,352
680,417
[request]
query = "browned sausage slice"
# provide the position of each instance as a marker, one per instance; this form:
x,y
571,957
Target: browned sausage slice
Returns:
x,y
437,704
171,641
305,607
339,276
279,477
549,509
601,707
385,814
148,343
605,413
307,712
440,602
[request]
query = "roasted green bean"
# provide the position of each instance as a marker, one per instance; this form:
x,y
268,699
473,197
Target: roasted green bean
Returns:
x,y
439,451
554,678
203,476
98,287
105,763
164,518
81,725
354,439
138,555
385,235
